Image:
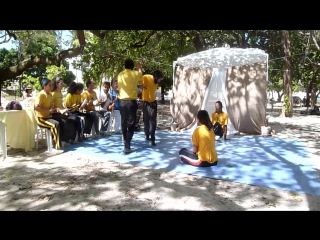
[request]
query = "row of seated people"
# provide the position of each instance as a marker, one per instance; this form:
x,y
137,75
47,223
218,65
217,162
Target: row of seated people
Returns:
x,y
76,116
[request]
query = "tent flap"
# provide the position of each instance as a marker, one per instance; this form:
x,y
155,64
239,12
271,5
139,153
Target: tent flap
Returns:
x,y
239,77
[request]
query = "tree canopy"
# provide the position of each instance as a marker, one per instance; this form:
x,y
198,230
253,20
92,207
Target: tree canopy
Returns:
x,y
102,53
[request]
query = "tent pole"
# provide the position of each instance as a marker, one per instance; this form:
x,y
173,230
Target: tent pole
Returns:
x,y
267,80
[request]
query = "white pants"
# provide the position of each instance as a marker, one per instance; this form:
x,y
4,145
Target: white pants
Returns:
x,y
116,120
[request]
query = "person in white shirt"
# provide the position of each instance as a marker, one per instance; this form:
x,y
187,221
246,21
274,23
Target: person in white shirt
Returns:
x,y
106,101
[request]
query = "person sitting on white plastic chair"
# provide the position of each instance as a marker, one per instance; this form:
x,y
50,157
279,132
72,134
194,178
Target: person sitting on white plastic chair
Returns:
x,y
44,109
105,100
91,99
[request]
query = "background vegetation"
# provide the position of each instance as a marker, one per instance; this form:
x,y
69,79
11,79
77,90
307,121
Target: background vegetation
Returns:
x,y
294,56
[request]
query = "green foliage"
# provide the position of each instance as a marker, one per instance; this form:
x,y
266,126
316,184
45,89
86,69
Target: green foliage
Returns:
x,y
30,80
8,58
54,71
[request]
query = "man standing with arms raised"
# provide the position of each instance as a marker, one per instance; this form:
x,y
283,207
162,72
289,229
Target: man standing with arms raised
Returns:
x,y
128,93
149,104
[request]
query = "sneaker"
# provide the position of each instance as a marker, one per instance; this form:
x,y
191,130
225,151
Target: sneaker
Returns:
x,y
152,143
55,151
147,139
127,150
101,132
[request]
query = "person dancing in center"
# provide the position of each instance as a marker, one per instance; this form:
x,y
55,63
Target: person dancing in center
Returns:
x,y
204,152
128,81
149,104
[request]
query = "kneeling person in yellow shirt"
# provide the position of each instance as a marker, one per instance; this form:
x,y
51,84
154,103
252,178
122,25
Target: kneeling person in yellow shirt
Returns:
x,y
220,117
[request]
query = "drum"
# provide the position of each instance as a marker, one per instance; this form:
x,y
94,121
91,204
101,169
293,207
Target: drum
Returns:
x,y
218,131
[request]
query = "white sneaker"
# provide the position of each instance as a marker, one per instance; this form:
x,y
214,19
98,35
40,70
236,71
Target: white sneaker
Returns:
x,y
55,151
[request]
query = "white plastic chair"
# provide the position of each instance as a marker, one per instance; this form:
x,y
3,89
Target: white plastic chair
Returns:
x,y
27,102
3,140
42,131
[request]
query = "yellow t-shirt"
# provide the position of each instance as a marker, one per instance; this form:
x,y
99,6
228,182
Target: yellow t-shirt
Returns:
x,y
73,99
86,95
127,83
44,100
150,93
221,118
205,140
57,99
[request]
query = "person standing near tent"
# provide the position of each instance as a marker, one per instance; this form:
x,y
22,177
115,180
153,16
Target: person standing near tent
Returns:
x,y
220,117
128,82
204,152
149,104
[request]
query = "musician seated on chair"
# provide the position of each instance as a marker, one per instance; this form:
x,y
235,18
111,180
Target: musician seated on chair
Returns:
x,y
105,107
220,117
44,108
74,103
90,96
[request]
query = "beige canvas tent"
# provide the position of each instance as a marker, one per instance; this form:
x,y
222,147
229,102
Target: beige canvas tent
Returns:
x,y
235,76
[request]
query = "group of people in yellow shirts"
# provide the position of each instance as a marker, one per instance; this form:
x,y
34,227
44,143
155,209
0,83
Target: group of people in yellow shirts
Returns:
x,y
76,115
79,114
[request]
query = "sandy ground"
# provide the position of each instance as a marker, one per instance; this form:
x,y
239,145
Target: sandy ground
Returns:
x,y
41,181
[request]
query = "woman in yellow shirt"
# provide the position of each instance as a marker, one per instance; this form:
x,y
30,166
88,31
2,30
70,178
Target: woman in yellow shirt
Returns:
x,y
73,100
220,120
204,152
44,108
71,125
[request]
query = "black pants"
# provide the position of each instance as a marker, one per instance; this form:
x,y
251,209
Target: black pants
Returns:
x,y
128,112
78,126
150,111
67,127
191,158
88,122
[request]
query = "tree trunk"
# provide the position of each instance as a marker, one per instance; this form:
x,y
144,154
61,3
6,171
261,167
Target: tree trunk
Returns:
x,y
287,82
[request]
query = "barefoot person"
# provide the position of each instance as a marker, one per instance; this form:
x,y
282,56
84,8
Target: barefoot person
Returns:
x,y
204,152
